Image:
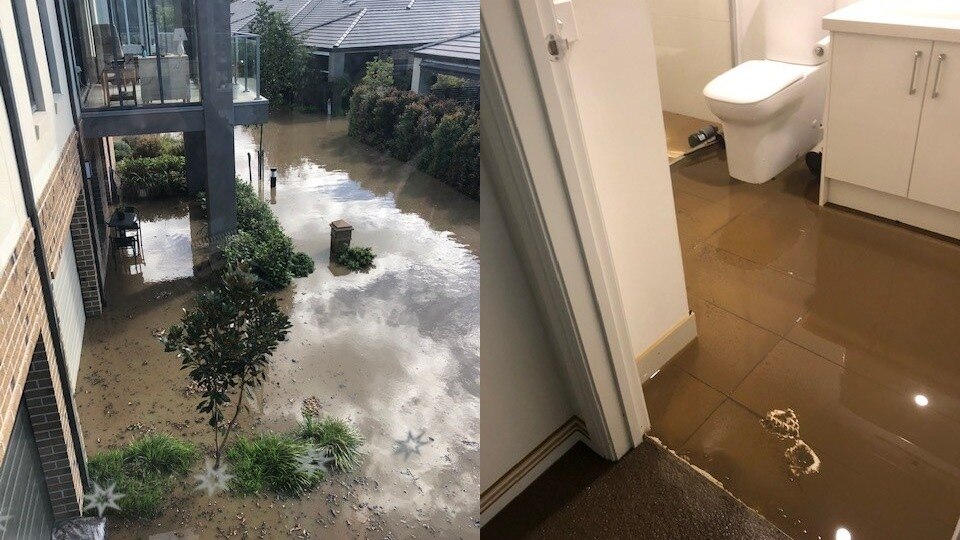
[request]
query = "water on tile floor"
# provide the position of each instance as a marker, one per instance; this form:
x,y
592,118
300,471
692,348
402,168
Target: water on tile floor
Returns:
x,y
395,350
851,322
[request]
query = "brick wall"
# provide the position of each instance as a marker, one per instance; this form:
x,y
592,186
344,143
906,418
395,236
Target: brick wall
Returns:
x,y
57,202
48,417
22,314
85,246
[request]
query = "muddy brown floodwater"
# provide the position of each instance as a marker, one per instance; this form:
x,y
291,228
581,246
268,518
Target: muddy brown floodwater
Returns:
x,y
395,350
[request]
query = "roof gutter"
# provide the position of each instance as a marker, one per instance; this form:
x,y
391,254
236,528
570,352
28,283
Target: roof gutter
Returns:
x,y
29,200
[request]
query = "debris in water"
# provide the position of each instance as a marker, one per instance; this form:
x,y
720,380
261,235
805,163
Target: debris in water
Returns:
x,y
311,406
786,426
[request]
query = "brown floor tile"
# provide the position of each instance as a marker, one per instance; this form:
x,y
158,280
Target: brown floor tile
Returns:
x,y
765,297
678,403
914,452
726,349
759,239
733,447
699,218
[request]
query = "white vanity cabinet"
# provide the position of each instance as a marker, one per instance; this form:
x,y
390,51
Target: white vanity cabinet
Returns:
x,y
892,124
936,164
876,96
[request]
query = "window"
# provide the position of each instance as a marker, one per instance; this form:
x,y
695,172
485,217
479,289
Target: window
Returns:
x,y
49,45
27,54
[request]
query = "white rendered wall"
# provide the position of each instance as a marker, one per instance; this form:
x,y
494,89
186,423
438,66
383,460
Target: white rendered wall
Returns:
x,y
13,214
693,45
46,131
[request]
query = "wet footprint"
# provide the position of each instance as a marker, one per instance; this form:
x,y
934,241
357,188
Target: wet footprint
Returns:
x,y
786,426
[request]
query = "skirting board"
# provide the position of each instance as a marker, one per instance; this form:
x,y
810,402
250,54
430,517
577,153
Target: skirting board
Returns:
x,y
669,345
902,209
521,475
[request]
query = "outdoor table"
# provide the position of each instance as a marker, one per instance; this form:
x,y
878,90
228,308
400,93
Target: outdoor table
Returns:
x,y
128,222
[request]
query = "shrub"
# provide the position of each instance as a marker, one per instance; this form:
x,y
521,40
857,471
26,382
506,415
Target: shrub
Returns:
x,y
143,472
121,150
447,81
439,154
261,242
443,136
271,462
341,439
162,175
151,146
356,258
408,137
301,265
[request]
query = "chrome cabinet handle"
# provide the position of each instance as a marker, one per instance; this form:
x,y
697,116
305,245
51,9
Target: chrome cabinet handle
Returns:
x,y
936,77
913,74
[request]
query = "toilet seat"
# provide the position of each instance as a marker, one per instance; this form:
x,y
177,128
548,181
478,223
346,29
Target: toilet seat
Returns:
x,y
753,81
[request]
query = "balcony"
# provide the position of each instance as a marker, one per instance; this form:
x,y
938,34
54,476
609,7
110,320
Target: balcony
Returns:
x,y
136,54
246,67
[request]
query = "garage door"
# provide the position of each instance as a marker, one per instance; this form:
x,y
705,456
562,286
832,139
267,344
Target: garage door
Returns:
x,y
25,510
69,302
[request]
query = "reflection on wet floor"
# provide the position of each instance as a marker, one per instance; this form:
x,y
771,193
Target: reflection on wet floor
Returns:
x,y
847,321
395,349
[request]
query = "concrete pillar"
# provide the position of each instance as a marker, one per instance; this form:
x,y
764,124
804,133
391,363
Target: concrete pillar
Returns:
x,y
336,65
216,93
195,152
415,82
340,236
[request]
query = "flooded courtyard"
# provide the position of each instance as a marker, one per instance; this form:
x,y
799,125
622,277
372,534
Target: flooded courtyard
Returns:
x,y
395,350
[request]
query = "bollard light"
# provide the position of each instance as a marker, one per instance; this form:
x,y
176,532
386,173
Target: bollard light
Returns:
x,y
273,177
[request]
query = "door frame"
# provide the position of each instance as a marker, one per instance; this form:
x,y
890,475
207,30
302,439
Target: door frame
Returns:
x,y
533,139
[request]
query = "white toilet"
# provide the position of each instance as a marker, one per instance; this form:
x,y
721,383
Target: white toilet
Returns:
x,y
771,109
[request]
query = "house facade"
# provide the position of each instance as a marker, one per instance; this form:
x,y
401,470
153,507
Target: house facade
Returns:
x,y
343,35
73,74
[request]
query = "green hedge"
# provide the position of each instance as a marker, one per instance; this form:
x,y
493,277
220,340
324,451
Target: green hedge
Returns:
x,y
141,146
443,136
261,242
158,176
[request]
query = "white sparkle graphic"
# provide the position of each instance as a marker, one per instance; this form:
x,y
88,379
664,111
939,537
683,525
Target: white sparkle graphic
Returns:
x,y
316,459
101,499
213,480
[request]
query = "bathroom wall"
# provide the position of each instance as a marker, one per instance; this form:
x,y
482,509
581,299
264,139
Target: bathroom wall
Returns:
x,y
750,32
693,45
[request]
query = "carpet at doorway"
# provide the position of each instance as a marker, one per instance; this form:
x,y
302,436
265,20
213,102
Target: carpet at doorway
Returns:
x,y
649,494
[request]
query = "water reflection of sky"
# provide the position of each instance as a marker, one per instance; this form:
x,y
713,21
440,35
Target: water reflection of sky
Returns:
x,y
396,349
166,247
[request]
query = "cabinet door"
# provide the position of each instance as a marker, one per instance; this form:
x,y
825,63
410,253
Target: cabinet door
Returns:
x,y
936,166
877,86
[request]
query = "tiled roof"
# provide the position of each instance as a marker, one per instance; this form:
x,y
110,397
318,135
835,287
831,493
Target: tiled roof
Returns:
x,y
353,24
462,47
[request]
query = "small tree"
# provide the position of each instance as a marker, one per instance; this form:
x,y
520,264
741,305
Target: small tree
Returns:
x,y
283,57
379,75
226,342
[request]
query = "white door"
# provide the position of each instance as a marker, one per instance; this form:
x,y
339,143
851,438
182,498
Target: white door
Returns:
x,y
936,165
69,303
877,86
